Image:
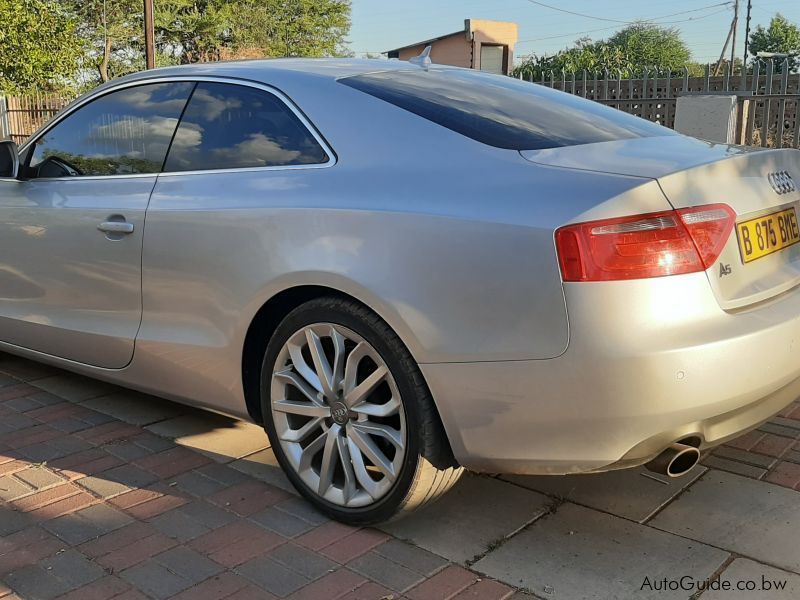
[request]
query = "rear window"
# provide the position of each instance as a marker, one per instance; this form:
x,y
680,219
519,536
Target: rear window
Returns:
x,y
502,111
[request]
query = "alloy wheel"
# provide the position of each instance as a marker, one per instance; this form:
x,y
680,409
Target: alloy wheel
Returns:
x,y
338,415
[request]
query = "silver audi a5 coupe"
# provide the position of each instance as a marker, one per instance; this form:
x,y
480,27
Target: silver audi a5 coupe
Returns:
x,y
403,271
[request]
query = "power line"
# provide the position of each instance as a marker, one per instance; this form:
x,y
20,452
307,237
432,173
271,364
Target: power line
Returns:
x,y
553,37
585,16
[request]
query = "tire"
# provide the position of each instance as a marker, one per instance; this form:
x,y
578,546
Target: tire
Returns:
x,y
347,420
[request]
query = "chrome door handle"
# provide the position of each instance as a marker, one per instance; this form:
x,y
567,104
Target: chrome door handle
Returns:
x,y
116,227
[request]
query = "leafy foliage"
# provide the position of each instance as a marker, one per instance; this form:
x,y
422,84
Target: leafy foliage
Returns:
x,y
39,48
627,53
782,37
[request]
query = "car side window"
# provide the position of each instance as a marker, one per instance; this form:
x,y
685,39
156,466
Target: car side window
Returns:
x,y
229,126
122,133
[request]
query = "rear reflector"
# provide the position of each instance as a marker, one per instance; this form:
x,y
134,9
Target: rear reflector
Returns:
x,y
673,242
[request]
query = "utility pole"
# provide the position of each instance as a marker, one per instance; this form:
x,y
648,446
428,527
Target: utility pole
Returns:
x,y
747,32
149,35
733,41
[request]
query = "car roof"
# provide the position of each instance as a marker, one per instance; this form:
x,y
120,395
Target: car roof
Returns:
x,y
266,70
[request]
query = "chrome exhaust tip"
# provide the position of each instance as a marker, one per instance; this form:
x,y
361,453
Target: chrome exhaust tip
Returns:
x,y
676,460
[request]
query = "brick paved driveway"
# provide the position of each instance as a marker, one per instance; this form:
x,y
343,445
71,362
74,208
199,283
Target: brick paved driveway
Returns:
x,y
106,493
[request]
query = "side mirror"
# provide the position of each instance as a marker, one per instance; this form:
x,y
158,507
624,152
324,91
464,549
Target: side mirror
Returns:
x,y
9,160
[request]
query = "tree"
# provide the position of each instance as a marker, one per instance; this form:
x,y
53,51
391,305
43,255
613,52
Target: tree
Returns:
x,y
38,46
113,30
782,37
293,28
649,46
627,53
201,30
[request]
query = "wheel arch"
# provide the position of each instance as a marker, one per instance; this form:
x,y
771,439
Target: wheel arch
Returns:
x,y
266,320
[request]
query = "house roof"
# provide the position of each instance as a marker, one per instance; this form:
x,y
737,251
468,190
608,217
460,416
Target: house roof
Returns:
x,y
426,42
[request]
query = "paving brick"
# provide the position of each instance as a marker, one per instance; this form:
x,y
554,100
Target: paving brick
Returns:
x,y
392,575
187,563
786,474
12,521
219,586
91,467
73,568
127,451
45,497
134,498
248,498
155,580
118,539
39,477
772,445
486,589
779,430
16,391
251,593
281,522
102,589
64,506
23,404
152,442
34,582
102,487
412,557
170,463
207,514
309,564
130,476
369,591
333,585
73,531
87,524
136,552
32,435
255,543
751,458
12,466
354,545
108,431
178,525
747,441
197,485
444,584
302,509
790,423
156,506
11,488
272,577
28,547
792,455
223,474
324,535
733,466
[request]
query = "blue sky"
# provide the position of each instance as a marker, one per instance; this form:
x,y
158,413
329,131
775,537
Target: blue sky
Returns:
x,y
379,25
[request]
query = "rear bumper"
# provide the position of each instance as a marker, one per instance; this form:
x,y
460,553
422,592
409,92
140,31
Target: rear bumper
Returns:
x,y
649,362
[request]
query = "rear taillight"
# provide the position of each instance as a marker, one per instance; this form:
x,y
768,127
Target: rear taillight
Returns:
x,y
673,242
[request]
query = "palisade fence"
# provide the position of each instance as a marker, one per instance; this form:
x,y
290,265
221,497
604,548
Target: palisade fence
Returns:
x,y
768,101
20,116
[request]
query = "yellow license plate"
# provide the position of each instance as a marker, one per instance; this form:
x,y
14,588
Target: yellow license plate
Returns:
x,y
767,234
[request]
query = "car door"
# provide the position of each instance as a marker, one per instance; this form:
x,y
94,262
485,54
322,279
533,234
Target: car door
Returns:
x,y
71,227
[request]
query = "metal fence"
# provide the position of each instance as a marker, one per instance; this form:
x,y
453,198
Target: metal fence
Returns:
x,y
769,102
20,116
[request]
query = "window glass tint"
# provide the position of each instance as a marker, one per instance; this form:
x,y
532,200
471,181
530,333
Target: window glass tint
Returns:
x,y
123,132
231,126
502,111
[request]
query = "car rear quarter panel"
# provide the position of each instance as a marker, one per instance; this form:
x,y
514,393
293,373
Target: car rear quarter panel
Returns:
x,y
448,240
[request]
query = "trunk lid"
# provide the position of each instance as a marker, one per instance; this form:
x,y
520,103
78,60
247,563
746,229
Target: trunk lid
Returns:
x,y
690,172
